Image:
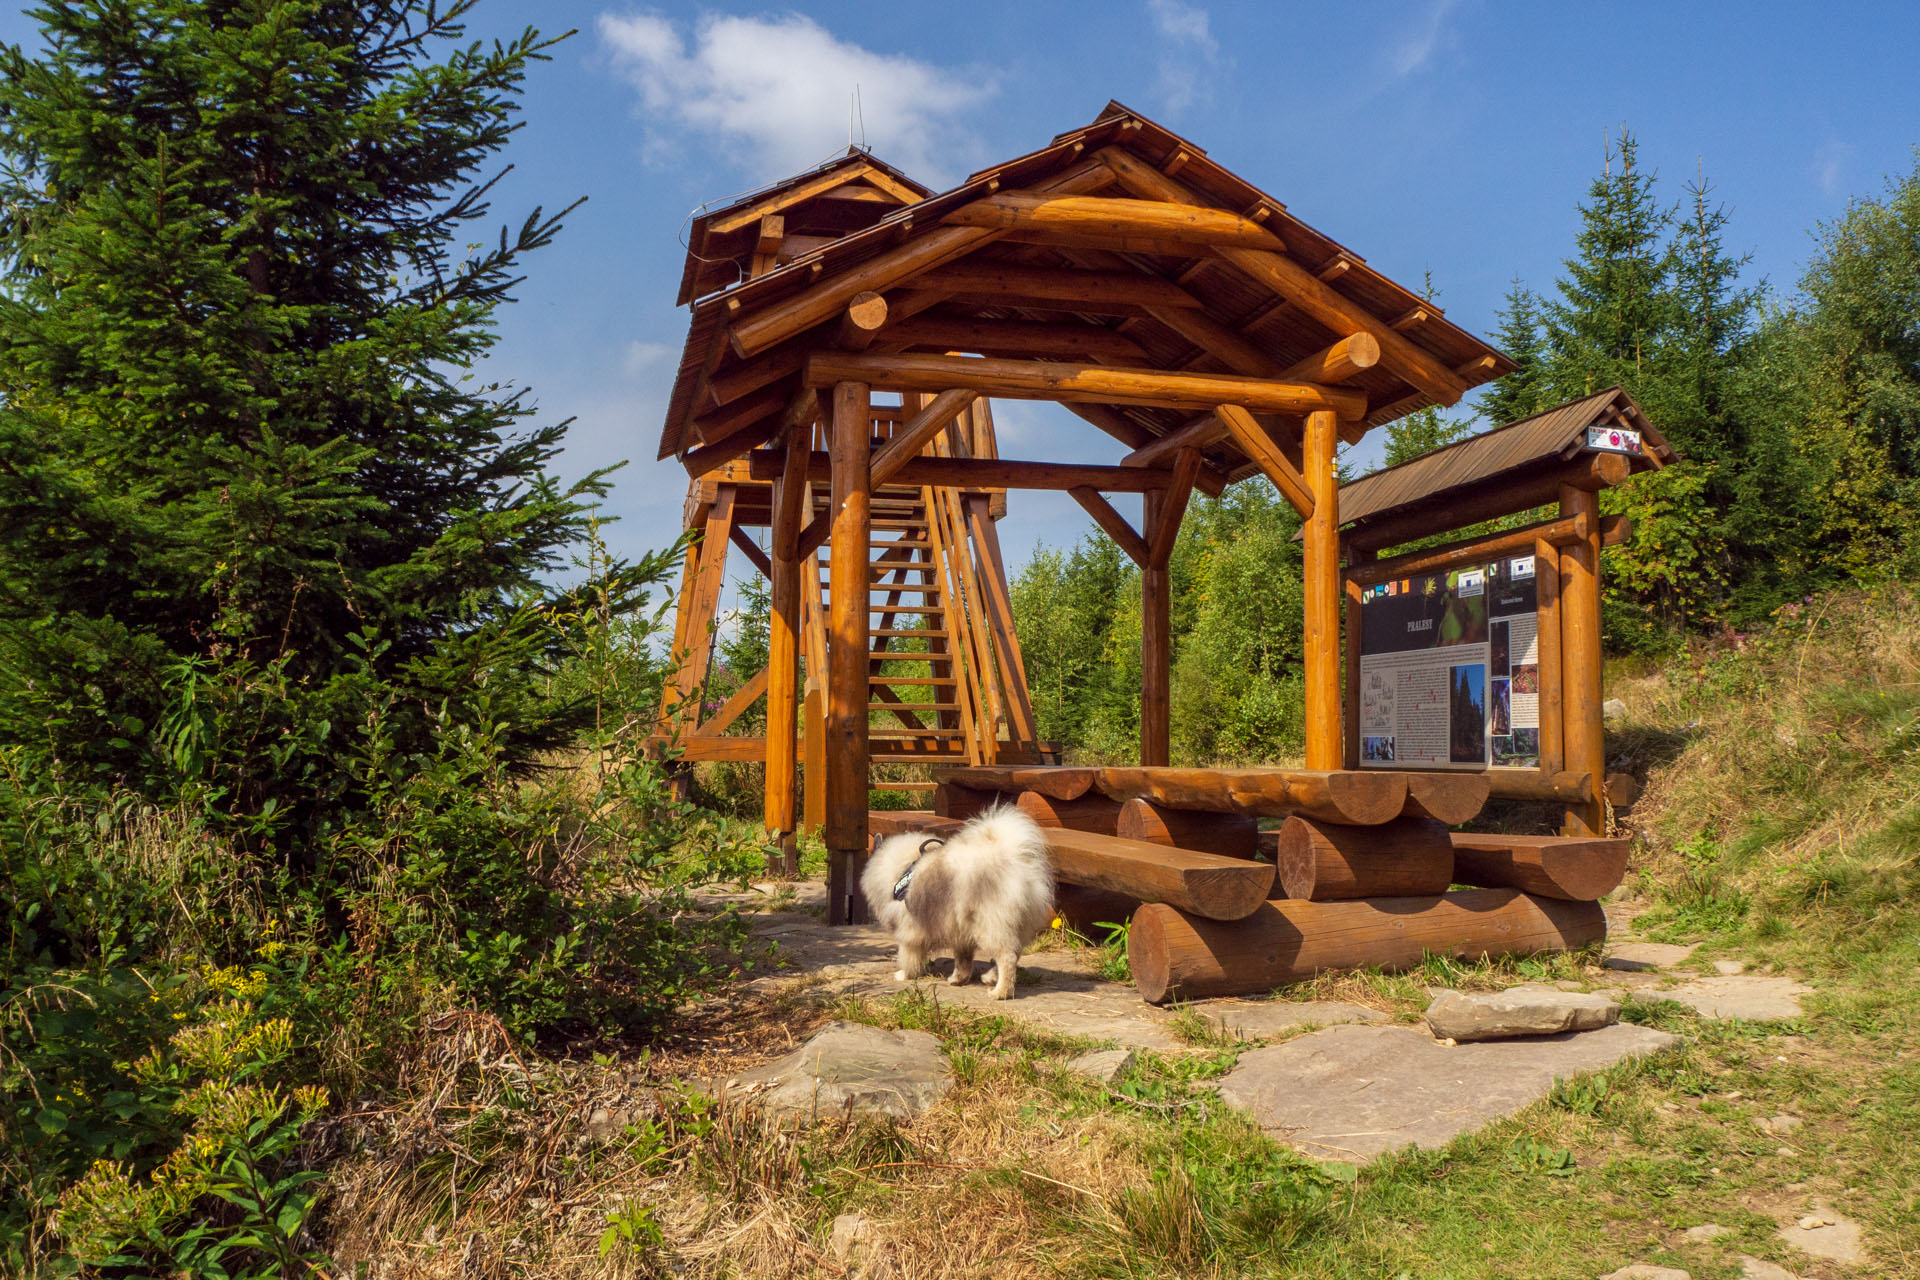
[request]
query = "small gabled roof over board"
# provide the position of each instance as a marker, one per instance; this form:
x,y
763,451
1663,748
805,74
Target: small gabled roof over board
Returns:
x,y
1205,274
1498,460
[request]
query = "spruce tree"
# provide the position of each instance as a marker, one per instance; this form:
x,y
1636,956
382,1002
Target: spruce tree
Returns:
x,y
252,498
1518,394
1615,303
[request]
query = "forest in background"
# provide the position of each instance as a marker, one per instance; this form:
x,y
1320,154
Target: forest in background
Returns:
x,y
1796,415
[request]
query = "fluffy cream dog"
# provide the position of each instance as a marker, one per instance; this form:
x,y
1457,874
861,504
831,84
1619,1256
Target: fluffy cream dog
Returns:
x,y
986,889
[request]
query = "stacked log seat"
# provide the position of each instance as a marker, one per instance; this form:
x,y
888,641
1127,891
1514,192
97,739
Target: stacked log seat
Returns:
x,y
1177,956
1574,868
1408,857
1231,835
1203,884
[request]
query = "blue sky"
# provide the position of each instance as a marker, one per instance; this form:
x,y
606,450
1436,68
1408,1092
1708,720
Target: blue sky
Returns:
x,y
1451,135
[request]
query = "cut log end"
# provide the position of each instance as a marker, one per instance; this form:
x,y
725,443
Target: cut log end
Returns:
x,y
1451,798
1408,857
1573,868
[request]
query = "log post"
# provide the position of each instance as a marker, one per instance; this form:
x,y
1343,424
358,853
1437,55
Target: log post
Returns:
x,y
1584,734
1546,585
1156,647
847,659
783,653
1322,552
1175,955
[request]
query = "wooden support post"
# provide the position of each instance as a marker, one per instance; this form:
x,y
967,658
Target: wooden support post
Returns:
x,y
1350,704
1322,550
1546,585
783,652
1156,647
1584,735
700,616
847,657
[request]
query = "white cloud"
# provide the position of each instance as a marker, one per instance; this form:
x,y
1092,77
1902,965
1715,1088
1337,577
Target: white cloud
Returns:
x,y
1424,40
777,94
1189,55
639,358
1830,165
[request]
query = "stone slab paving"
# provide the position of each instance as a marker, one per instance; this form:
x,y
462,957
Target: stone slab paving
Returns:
x,y
1104,1065
1826,1234
1634,956
1353,1093
1752,1268
1258,1019
1647,1271
1754,997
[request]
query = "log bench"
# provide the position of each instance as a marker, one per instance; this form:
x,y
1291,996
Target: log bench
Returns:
x,y
1572,868
1203,884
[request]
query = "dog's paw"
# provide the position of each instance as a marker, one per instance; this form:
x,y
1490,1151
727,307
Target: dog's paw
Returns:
x,y
960,977
899,975
1003,993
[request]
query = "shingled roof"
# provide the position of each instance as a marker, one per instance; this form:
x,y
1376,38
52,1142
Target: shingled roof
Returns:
x,y
1485,461
1161,304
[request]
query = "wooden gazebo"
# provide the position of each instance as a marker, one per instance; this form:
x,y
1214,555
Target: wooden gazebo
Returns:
x,y
1118,271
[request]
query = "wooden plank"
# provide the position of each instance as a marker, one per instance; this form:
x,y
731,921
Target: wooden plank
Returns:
x,y
846,727
1335,795
1066,381
998,607
1203,884
789,316
1301,287
991,473
1323,861
1231,835
1323,594
1265,453
1179,956
1584,735
1113,522
692,675
1493,546
1575,868
1450,796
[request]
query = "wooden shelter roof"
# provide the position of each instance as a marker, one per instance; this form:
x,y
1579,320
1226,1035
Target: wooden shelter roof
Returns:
x,y
1255,292
1493,459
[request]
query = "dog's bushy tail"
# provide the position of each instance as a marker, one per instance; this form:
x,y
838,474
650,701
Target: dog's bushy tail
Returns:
x,y
1005,827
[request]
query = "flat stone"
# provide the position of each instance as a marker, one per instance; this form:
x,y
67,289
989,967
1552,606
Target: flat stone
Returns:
x,y
1104,1065
1752,997
1353,1093
1255,1019
1647,1271
849,1231
1780,1125
846,1069
1636,956
1613,710
1517,1011
1704,1232
1825,1234
1729,968
1752,1268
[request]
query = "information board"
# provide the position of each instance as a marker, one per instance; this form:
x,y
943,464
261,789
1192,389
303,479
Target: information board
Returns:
x,y
1450,669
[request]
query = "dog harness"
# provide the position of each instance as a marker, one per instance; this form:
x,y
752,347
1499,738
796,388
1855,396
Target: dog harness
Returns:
x,y
901,885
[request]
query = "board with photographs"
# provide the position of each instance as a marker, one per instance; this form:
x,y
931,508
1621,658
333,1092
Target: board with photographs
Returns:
x,y
1449,669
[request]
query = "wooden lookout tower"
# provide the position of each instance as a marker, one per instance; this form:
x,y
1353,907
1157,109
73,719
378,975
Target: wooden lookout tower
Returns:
x,y
845,328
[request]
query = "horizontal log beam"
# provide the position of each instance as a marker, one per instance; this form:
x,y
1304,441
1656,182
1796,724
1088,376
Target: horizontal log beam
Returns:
x,y
1231,835
1176,956
1325,862
1061,782
913,435
1047,380
1493,546
1353,354
1333,795
1534,784
1057,284
782,320
1016,338
1299,286
1105,218
989,473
